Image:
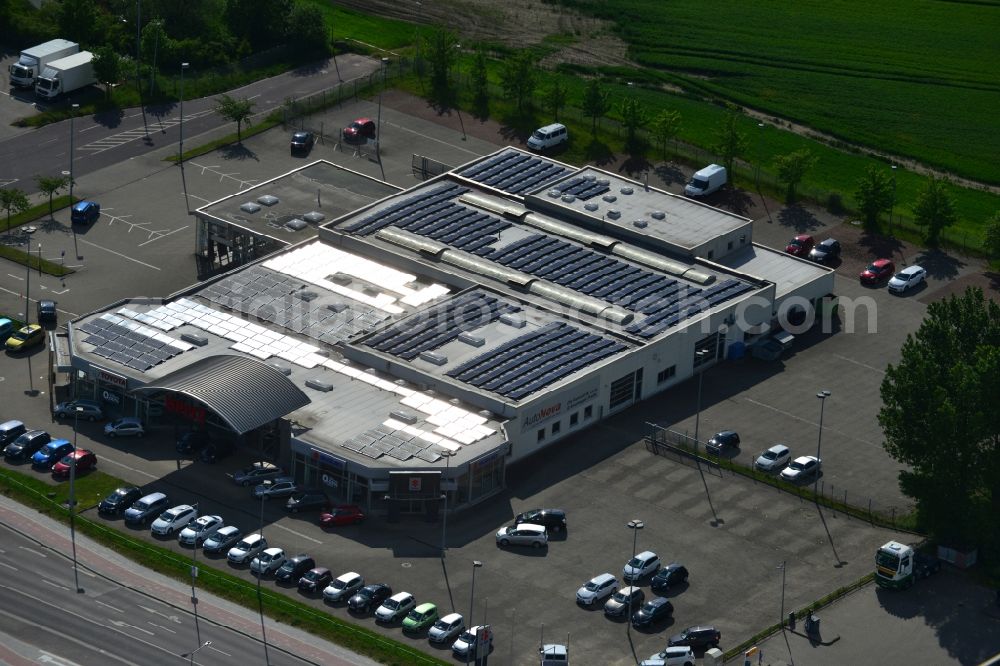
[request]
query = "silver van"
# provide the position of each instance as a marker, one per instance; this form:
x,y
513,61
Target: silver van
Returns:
x,y
549,136
10,431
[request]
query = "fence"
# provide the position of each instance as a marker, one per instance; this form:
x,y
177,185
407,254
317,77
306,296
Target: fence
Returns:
x,y
424,167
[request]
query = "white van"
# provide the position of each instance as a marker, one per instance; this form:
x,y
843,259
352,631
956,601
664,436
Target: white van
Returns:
x,y
706,181
548,137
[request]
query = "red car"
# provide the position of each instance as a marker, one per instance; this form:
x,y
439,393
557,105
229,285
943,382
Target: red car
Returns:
x,y
800,245
347,514
360,130
85,461
879,270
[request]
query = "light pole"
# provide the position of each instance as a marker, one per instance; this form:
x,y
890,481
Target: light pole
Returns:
x,y
822,395
781,620
180,151
444,499
194,576
699,355
635,525
260,600
760,157
378,128
192,653
72,499
72,116
892,206
39,260
472,600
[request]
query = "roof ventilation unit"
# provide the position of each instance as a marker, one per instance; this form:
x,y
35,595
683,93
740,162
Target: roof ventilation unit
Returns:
x,y
268,200
590,206
568,198
511,320
250,207
642,224
614,214
658,215
319,385
472,340
199,340
337,307
431,357
554,193
343,279
307,295
405,417
314,217
610,198
626,190
296,224
283,369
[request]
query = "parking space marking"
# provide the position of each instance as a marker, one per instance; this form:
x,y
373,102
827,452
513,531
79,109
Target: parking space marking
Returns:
x,y
107,460
154,234
4,182
71,315
123,256
863,365
435,139
813,424
299,534
162,235
223,176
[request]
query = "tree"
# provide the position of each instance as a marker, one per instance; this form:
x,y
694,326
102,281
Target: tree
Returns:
x,y
107,68
874,195
13,201
940,418
555,97
666,126
441,53
792,168
307,28
519,78
480,84
935,209
50,185
261,22
595,103
237,110
634,118
732,142
78,21
991,241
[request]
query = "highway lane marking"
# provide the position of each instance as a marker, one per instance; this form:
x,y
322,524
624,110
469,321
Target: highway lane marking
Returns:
x,y
160,626
49,658
162,235
16,277
11,567
212,647
172,618
299,534
131,469
117,610
863,365
72,315
120,623
33,552
49,582
123,256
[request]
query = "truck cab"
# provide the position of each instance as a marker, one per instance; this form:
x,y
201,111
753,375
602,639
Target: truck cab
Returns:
x,y
552,654
898,565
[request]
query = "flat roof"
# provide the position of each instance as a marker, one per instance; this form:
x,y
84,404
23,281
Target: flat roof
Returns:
x,y
787,272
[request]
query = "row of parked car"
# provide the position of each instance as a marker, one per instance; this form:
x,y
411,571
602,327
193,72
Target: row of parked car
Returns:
x,y
37,447
877,272
777,458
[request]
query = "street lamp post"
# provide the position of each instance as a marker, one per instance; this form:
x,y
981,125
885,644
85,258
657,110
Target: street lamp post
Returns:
x,y
39,260
822,395
72,499
260,600
781,619
180,151
72,116
378,128
699,355
472,601
760,157
635,525
892,206
194,576
193,652
444,500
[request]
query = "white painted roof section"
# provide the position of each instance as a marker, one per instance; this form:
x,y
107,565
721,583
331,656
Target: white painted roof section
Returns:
x,y
788,273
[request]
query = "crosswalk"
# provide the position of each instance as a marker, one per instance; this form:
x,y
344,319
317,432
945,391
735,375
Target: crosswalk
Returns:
x,y
115,140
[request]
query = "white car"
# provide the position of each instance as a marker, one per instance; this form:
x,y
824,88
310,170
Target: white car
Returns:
x,y
343,587
446,628
525,534
644,563
677,655
907,278
597,589
173,519
200,529
395,607
802,468
774,458
471,640
268,561
247,548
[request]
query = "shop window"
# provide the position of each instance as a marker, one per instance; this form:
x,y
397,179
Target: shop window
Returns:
x,y
665,374
574,418
541,434
588,411
556,427
730,245
622,391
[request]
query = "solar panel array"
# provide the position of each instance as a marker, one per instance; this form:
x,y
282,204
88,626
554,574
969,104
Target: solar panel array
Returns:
x,y
129,343
534,360
584,187
515,172
687,304
440,324
399,444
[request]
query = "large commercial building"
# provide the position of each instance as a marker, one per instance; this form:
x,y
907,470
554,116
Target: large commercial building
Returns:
x,y
419,344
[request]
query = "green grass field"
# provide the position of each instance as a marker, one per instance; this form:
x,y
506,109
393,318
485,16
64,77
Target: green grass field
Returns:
x,y
910,77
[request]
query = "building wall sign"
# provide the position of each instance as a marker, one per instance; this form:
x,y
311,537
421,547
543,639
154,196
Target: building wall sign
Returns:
x,y
111,397
184,409
326,459
106,377
328,481
555,409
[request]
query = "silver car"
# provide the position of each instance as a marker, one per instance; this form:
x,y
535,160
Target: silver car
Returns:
x,y
446,628
524,534
174,519
268,561
200,529
126,427
79,409
256,473
622,600
224,539
596,589
284,486
343,587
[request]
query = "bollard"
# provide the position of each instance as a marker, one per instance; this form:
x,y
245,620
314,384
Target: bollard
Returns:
x,y
791,620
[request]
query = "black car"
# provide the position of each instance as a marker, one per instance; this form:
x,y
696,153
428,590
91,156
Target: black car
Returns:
x,y
294,568
192,440
826,252
46,311
669,576
554,520
119,500
697,637
26,445
653,611
315,580
217,450
307,499
727,439
369,598
302,142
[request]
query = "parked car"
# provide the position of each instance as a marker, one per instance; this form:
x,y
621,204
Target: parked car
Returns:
x,y
369,597
256,474
125,427
267,561
173,520
446,628
469,642
826,251
345,514
643,564
705,636
144,509
26,445
82,459
6,328
200,530
80,408
315,580
727,440
283,486
655,610
119,500
877,271
906,279
302,142
305,500
524,534
801,468
624,599
672,575
246,548
25,338
11,430
192,440
395,607
294,568
360,130
420,618
549,136
677,655
554,520
47,456
85,212
46,311
800,246
596,589
774,458
216,450
343,587
224,539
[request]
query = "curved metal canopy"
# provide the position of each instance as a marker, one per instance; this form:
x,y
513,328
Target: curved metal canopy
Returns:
x,y
244,392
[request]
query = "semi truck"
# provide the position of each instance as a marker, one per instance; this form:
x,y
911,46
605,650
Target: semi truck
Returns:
x,y
899,566
32,61
66,75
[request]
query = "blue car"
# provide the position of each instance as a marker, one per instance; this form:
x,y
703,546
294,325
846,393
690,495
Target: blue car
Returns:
x,y
51,453
85,212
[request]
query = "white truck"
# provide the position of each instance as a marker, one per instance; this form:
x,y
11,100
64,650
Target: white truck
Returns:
x,y
32,61
898,565
706,181
66,75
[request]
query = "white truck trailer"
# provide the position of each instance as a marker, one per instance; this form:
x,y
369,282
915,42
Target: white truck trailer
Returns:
x,y
32,61
66,75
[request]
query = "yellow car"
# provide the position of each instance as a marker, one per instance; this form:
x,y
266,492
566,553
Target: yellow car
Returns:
x,y
26,338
